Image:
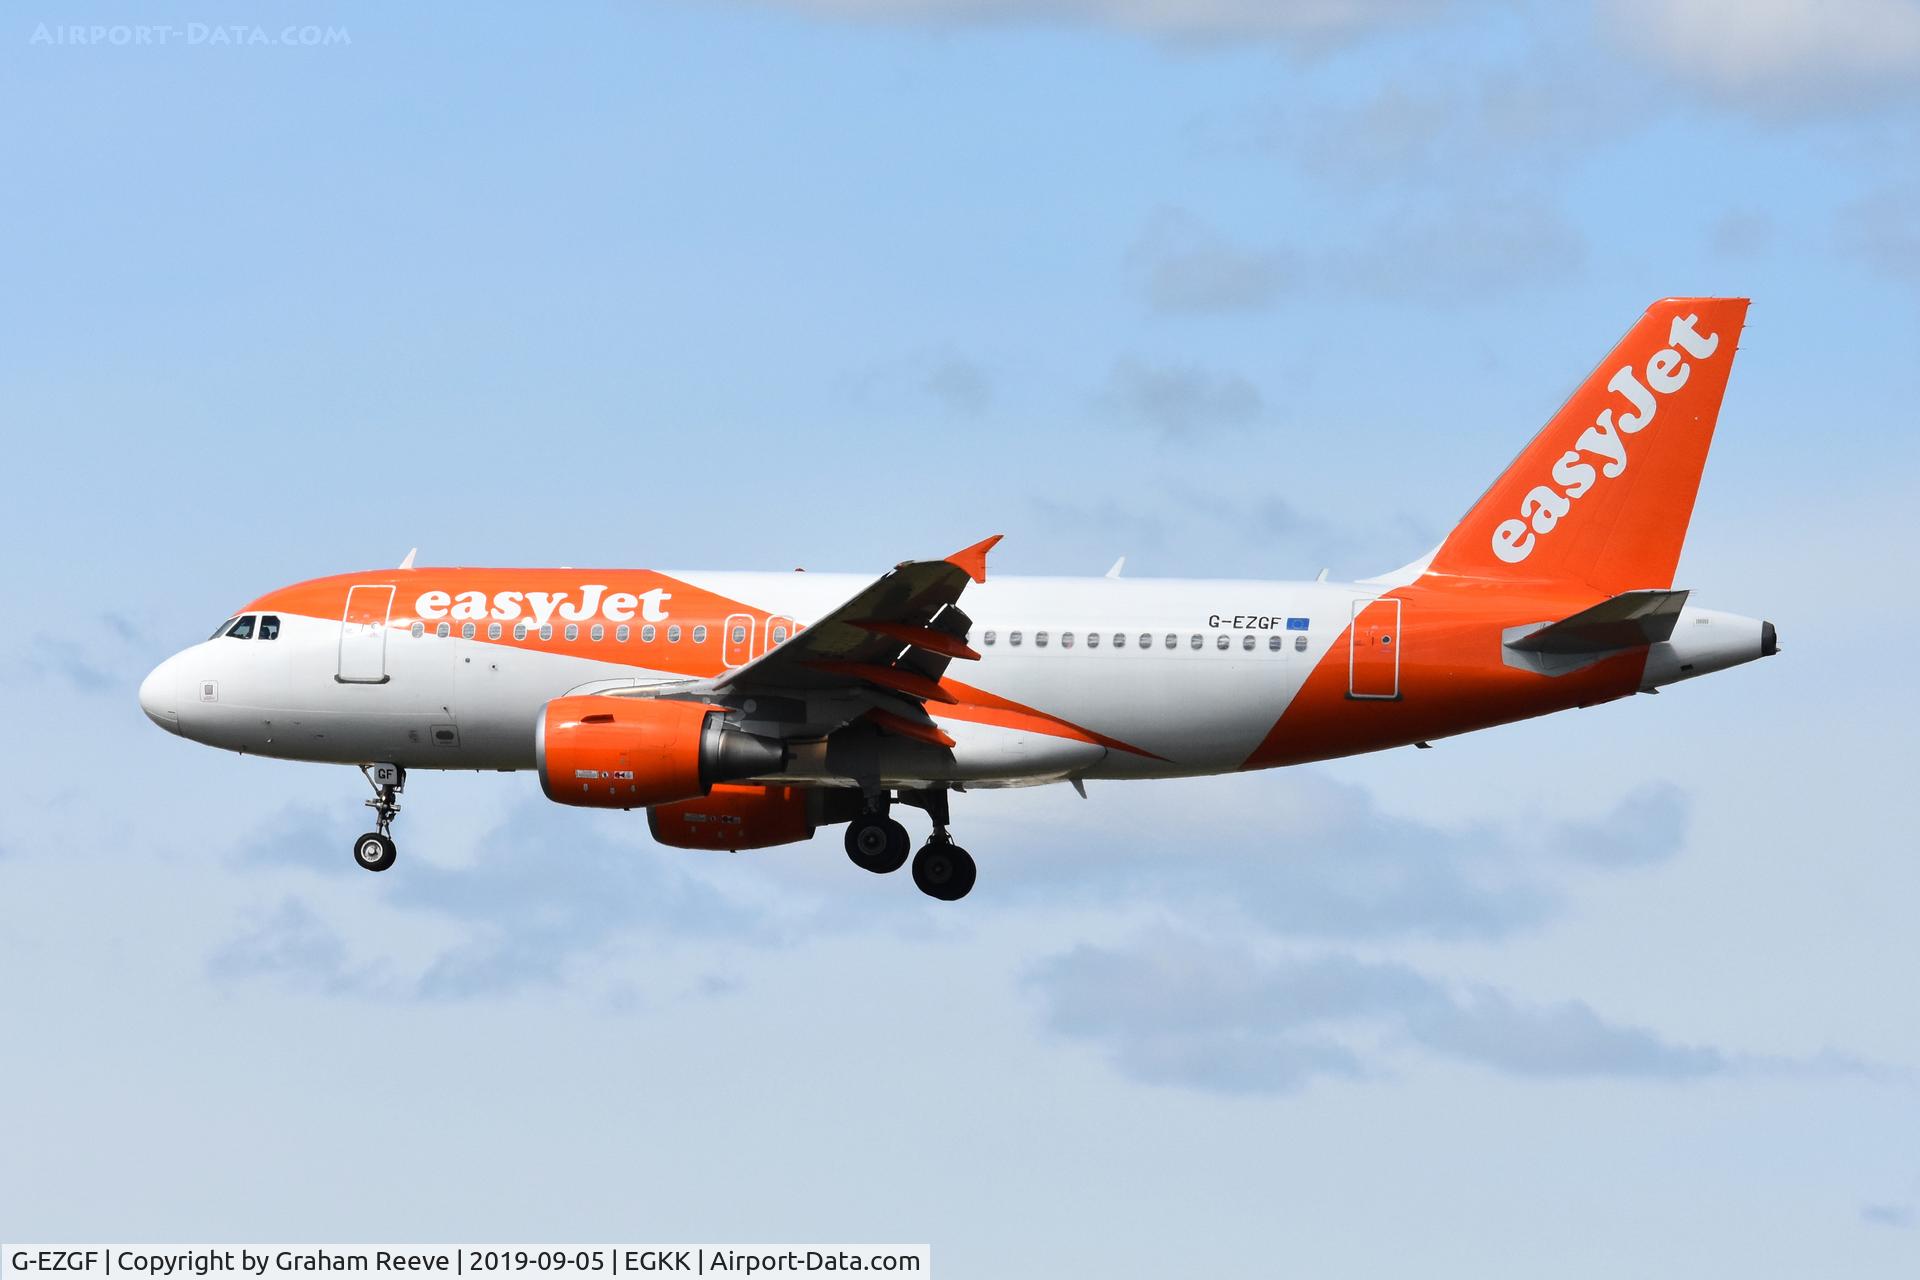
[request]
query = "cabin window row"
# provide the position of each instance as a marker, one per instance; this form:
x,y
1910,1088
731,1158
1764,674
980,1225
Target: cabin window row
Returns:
x,y
1146,640
597,633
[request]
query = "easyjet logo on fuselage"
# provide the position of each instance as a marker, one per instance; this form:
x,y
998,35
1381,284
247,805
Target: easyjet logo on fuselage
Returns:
x,y
1605,441
507,606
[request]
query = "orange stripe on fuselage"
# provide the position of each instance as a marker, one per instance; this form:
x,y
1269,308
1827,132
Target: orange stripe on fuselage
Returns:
x,y
982,707
1452,675
679,603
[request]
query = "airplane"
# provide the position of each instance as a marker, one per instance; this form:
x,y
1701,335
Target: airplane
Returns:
x,y
747,710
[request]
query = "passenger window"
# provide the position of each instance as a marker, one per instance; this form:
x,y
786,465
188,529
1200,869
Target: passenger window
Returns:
x,y
673,634
1146,641
987,638
1039,639
443,630
1173,641
519,631
1246,642
1013,638
1275,642
242,628
1196,641
573,631
1119,639
269,627
739,635
418,629
598,633
1221,641
1066,639
699,635
1299,644
647,634
1093,639
467,630
546,631
621,633
780,635
493,631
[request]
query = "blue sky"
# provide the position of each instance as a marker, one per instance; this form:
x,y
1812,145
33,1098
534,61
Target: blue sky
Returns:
x,y
1228,287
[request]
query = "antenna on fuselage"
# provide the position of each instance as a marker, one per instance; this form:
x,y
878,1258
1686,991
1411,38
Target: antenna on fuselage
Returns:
x,y
408,562
1118,565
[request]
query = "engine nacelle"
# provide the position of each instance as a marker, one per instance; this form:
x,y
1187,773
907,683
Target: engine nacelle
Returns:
x,y
630,753
738,817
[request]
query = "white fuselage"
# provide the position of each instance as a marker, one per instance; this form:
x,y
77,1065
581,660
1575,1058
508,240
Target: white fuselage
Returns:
x,y
1190,675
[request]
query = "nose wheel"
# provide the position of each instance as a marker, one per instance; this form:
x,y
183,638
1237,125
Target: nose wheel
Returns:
x,y
375,850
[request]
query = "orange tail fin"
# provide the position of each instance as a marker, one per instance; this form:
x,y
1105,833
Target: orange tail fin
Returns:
x,y
1603,494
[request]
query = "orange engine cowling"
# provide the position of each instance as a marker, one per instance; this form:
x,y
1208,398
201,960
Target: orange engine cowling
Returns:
x,y
737,817
629,753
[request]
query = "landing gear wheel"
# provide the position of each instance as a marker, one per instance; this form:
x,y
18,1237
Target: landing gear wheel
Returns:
x,y
374,851
943,870
877,843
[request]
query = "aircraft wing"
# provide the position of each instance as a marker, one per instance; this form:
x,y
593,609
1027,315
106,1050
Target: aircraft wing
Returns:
x,y
889,645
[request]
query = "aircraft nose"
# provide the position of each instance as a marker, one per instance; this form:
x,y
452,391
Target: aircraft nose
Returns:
x,y
160,696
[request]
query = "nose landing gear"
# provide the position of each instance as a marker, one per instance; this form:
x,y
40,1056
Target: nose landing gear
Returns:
x,y
375,850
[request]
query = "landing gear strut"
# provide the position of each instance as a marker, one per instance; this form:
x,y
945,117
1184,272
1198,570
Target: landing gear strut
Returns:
x,y
375,850
942,869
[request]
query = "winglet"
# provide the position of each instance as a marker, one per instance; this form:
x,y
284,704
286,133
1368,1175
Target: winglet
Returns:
x,y
974,558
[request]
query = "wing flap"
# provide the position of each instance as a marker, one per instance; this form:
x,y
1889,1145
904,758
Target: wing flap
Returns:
x,y
889,645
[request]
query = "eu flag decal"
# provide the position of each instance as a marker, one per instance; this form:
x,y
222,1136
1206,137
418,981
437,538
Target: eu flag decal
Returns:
x,y
1296,624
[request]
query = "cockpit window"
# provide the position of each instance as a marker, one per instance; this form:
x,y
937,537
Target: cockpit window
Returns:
x,y
269,627
242,629
222,629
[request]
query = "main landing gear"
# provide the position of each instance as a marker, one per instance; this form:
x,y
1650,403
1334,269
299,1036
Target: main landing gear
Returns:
x,y
375,850
877,843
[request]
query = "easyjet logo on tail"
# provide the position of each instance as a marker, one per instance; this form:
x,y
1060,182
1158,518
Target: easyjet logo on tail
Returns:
x,y
1604,443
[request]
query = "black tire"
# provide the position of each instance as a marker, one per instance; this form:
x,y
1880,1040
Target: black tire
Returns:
x,y
944,871
877,844
374,852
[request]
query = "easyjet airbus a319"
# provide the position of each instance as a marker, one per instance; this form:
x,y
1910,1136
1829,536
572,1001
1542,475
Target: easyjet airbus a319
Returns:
x,y
742,710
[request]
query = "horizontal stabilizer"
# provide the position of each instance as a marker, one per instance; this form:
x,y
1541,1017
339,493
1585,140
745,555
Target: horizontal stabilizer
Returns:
x,y
1619,622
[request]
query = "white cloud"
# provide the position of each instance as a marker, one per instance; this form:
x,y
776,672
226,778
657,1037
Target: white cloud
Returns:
x,y
1776,52
1173,1009
1308,857
1306,19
